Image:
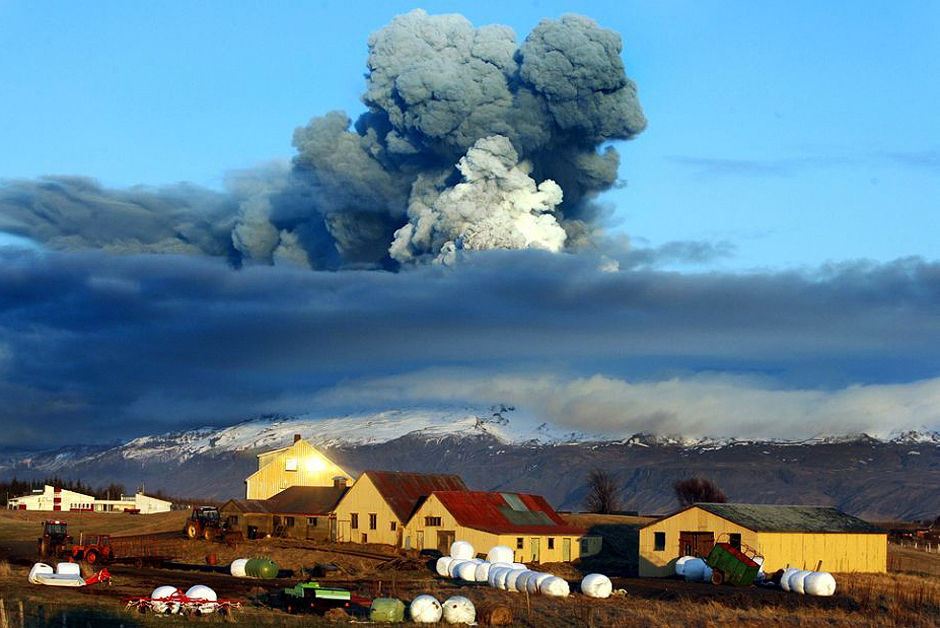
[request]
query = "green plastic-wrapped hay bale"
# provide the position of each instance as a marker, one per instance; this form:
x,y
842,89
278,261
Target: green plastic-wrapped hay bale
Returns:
x,y
387,610
263,568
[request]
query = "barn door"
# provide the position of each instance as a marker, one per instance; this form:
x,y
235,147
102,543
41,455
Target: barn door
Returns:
x,y
444,540
566,550
696,543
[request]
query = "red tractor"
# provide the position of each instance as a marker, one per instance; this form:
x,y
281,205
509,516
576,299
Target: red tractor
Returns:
x,y
204,522
55,538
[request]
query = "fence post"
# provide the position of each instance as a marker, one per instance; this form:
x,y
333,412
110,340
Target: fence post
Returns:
x,y
3,615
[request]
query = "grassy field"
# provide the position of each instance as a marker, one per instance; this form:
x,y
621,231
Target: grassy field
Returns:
x,y
910,598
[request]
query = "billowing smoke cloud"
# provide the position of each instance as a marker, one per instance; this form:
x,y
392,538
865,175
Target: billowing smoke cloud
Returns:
x,y
470,141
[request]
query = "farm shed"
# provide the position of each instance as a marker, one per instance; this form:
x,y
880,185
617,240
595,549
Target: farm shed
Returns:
x,y
302,512
58,499
795,536
379,504
299,464
518,520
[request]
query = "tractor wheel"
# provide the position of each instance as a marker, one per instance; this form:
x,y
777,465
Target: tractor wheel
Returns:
x,y
192,530
208,534
91,557
718,576
43,547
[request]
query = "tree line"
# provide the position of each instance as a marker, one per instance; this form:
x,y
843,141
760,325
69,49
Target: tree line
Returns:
x,y
603,495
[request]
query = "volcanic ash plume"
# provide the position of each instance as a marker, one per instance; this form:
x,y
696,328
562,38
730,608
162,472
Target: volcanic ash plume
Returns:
x,y
470,141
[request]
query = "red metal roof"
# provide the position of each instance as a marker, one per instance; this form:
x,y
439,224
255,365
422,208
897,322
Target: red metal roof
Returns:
x,y
505,513
403,491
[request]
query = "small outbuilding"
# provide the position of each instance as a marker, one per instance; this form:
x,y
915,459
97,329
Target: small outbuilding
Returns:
x,y
806,537
526,523
301,512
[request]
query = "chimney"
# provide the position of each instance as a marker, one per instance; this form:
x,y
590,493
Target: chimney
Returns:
x,y
296,437
339,481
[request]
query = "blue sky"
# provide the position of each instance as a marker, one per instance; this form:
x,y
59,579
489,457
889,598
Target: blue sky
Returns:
x,y
782,277
798,132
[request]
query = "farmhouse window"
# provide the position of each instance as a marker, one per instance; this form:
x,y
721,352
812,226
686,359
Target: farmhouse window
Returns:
x,y
394,526
290,464
551,543
354,521
312,522
734,539
519,542
373,520
432,521
659,541
289,522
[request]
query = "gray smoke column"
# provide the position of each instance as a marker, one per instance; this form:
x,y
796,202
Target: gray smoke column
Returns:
x,y
402,183
470,141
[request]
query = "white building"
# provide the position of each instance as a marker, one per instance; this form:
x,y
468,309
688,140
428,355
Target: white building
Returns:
x,y
57,499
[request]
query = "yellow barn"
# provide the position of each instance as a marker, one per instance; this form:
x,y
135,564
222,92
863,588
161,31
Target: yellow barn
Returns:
x,y
805,537
526,523
299,464
379,504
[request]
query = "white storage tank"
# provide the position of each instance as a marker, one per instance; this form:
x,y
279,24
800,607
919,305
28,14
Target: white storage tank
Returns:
x,y
425,609
596,585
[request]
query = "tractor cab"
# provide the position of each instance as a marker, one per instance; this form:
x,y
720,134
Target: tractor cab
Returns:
x,y
54,537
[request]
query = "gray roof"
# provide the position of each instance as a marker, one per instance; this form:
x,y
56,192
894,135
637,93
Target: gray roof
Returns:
x,y
774,518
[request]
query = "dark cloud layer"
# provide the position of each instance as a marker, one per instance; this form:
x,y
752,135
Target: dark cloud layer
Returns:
x,y
129,343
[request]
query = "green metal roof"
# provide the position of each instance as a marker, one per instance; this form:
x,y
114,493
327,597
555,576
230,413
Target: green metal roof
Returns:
x,y
774,518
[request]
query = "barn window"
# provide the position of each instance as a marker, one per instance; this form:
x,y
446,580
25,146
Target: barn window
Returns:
x,y
373,520
354,521
312,522
394,526
734,540
519,542
290,464
659,541
551,543
432,521
289,522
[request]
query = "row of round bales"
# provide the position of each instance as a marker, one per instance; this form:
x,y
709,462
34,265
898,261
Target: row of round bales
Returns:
x,y
820,583
501,572
425,609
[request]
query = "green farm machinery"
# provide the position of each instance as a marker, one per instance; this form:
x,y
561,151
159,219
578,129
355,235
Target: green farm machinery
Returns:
x,y
734,564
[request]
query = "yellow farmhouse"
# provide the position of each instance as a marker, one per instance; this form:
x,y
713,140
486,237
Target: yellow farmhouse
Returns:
x,y
521,521
806,537
377,506
299,464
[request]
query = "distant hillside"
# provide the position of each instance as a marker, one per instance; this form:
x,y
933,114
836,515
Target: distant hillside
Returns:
x,y
880,480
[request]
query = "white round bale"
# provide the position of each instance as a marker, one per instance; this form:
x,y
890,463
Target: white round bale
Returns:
x,y
820,583
500,554
442,565
680,564
453,566
162,593
459,610
693,570
596,585
482,571
461,549
237,568
554,587
467,571
785,578
519,566
535,582
512,578
495,573
204,594
425,609
522,582
797,579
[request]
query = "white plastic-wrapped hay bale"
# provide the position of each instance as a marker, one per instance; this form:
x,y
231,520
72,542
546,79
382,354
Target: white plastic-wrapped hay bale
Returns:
x,y
693,570
596,585
680,564
160,594
785,578
819,583
512,577
496,574
797,579
554,587
519,566
425,609
467,571
534,582
202,593
500,554
442,566
459,610
453,566
237,568
482,572
461,549
522,582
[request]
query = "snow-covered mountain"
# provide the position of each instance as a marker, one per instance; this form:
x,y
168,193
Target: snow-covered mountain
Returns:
x,y
499,447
